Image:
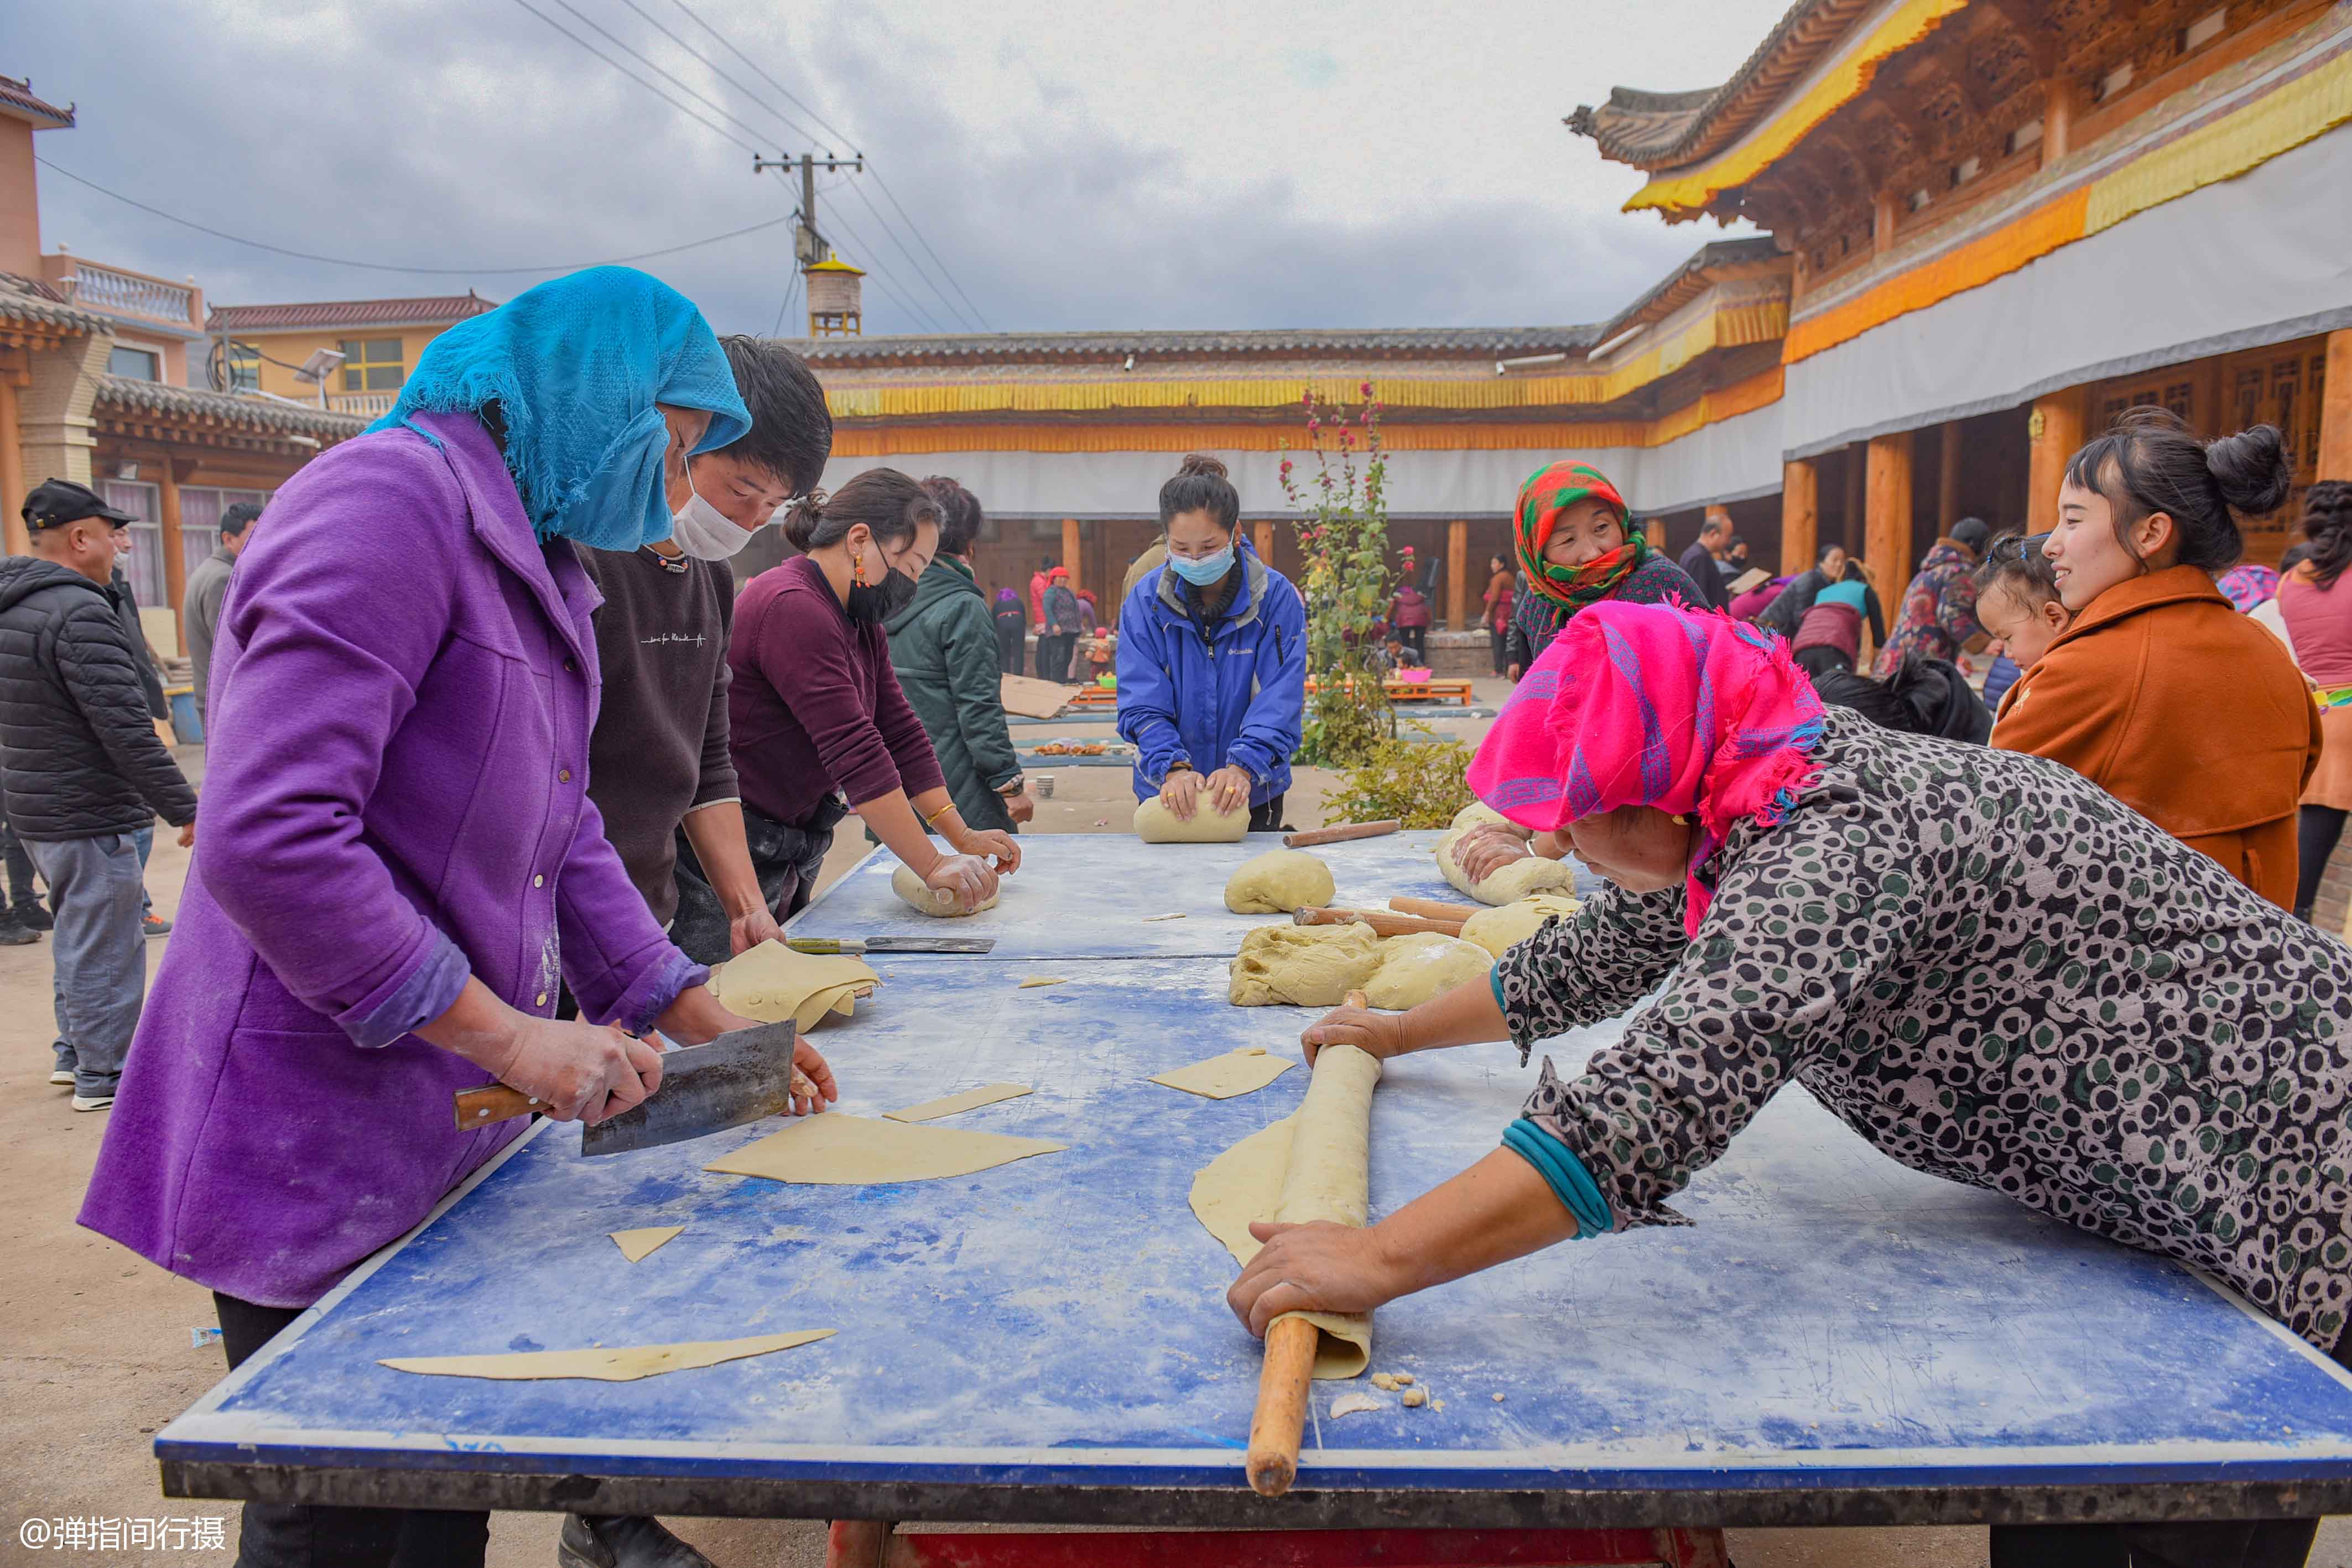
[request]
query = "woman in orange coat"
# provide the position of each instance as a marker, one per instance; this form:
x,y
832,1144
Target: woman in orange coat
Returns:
x,y
2160,693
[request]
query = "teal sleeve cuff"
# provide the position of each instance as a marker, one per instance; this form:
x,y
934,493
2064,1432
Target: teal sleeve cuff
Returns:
x,y
1564,1173
1494,980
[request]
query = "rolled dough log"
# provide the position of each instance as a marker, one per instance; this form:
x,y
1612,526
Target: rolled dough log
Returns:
x,y
1504,926
1517,880
1279,883
1302,966
1156,824
833,1150
1311,1165
913,892
1479,814
1416,967
616,1364
772,983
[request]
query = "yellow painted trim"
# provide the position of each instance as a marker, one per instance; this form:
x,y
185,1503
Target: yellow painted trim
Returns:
x,y
890,440
2307,107
1689,190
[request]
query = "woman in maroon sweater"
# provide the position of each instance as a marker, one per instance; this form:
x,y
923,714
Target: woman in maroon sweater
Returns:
x,y
816,710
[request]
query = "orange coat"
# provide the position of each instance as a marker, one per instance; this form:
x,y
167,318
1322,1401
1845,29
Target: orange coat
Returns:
x,y
2165,696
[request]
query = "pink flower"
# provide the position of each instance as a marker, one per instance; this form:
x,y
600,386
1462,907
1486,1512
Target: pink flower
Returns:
x,y
1368,389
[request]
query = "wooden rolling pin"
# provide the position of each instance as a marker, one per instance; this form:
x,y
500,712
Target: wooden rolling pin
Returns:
x,y
1382,922
1430,909
1340,834
1279,1424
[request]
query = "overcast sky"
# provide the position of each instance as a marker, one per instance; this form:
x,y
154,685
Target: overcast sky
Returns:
x,y
1107,164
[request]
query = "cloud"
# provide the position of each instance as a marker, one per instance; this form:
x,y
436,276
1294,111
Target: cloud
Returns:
x,y
1113,165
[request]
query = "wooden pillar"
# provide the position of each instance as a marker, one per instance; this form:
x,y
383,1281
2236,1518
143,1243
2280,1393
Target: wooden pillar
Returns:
x,y
2335,409
2054,431
2057,119
175,561
1264,536
1656,530
1457,574
1850,519
1947,479
1887,548
12,469
1885,211
1801,515
1071,552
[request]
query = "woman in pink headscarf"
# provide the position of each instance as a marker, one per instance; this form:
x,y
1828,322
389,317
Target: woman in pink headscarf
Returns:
x,y
1916,930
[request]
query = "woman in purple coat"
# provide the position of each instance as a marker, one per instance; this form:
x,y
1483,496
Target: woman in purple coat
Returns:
x,y
400,862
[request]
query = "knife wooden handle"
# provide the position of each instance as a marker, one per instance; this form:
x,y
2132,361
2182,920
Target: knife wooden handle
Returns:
x,y
1430,908
492,1103
1342,834
1382,922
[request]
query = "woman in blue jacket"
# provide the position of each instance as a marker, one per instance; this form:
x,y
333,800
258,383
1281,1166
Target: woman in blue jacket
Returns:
x,y
1212,660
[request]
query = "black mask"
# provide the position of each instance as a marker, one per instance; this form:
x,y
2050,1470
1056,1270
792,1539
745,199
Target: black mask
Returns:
x,y
879,601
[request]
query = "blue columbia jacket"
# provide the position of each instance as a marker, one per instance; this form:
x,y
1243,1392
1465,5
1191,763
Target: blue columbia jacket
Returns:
x,y
1238,698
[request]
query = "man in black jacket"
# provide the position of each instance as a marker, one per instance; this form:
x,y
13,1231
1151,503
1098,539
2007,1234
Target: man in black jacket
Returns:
x,y
85,770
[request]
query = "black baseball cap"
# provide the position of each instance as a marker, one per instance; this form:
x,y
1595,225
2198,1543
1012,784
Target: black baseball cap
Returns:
x,y
54,503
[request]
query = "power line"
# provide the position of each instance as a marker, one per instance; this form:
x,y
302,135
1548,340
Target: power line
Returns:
x,y
394,267
791,290
881,281
794,126
879,218
633,75
683,85
847,141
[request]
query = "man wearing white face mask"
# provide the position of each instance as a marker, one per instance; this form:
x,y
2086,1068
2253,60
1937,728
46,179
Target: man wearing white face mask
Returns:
x,y
658,765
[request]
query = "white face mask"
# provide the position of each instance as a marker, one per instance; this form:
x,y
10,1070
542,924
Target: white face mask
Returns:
x,y
705,532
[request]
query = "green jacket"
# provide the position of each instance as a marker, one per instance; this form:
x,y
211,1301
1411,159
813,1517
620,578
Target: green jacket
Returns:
x,y
943,646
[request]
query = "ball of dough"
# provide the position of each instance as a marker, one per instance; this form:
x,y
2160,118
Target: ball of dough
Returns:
x,y
1279,881
1424,965
920,895
1479,814
1156,824
1504,928
1303,966
1514,882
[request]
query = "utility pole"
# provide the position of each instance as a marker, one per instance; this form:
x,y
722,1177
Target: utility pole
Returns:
x,y
809,243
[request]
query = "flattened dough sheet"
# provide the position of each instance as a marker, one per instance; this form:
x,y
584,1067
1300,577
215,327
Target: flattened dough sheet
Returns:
x,y
834,1149
1312,1164
616,1364
970,1099
1243,1072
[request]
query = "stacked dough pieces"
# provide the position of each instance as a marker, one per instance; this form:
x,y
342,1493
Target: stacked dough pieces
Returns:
x,y
1317,966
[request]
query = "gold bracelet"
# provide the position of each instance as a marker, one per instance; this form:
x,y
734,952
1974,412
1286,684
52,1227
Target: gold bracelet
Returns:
x,y
935,816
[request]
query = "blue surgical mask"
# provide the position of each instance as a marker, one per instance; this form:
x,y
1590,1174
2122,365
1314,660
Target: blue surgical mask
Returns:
x,y
1209,569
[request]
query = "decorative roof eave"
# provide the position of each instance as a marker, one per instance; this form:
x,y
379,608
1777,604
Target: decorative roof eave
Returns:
x,y
1708,265
50,318
1113,348
127,405
326,315
1688,190
1655,130
17,102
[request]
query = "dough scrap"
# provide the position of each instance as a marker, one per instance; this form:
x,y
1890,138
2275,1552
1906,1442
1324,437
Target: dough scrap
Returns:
x,y
636,1244
951,1104
1235,1072
1279,883
1415,1397
1034,981
619,1364
1504,926
771,983
919,895
1353,1404
1303,966
1156,824
1424,965
831,1149
1516,881
1311,1164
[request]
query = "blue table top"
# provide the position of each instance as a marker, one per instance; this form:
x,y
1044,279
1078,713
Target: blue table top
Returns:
x,y
1049,1340
1089,896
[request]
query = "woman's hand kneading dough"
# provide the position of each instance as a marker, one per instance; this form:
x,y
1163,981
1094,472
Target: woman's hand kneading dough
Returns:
x,y
967,877
1379,1035
1181,793
1484,851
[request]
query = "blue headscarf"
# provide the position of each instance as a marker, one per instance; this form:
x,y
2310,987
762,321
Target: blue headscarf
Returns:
x,y
577,366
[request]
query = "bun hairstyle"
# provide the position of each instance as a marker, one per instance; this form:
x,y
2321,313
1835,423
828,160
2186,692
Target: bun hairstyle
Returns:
x,y
959,514
1200,485
2327,524
2025,575
2152,462
889,503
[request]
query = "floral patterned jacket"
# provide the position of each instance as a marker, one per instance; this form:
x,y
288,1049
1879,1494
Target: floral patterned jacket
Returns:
x,y
1998,974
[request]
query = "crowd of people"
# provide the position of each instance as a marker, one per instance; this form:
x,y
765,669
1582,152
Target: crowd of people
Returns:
x,y
479,687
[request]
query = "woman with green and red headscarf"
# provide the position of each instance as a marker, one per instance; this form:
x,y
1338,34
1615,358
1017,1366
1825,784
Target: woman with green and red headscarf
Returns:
x,y
1578,546
1929,937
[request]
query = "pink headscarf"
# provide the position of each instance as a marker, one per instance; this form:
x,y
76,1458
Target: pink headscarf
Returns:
x,y
1644,704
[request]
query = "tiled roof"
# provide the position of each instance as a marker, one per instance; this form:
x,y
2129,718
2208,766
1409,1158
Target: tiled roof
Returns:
x,y
1687,281
259,413
437,310
30,299
1476,341
1667,130
17,102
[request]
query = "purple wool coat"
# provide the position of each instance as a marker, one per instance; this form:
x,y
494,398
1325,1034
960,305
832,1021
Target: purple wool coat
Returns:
x,y
403,688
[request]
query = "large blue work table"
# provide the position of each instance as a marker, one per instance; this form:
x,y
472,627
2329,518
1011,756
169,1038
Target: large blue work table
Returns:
x,y
1835,1339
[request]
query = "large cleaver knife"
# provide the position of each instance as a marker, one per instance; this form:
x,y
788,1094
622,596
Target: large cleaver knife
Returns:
x,y
738,1077
854,946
